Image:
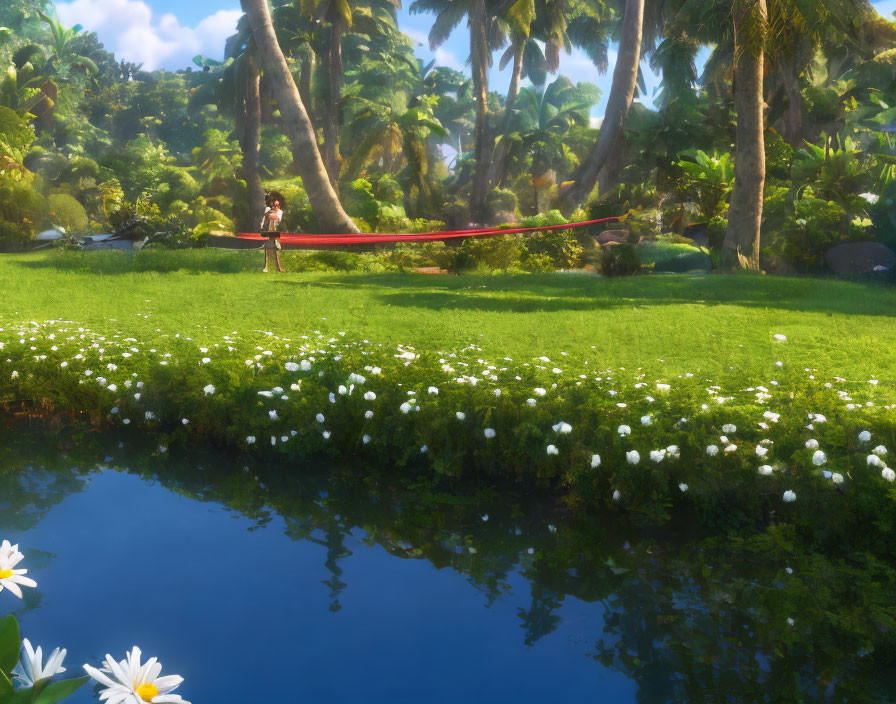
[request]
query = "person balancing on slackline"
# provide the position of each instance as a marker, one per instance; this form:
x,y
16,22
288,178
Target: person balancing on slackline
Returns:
x,y
272,218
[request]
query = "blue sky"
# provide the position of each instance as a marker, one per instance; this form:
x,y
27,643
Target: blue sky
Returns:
x,y
168,33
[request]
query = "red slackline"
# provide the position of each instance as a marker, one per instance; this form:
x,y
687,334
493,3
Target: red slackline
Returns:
x,y
373,238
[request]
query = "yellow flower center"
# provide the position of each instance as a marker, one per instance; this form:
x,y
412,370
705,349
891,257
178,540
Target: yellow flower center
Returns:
x,y
147,691
4,574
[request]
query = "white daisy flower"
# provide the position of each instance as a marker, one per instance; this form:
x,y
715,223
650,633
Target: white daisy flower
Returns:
x,y
552,450
129,682
11,578
888,474
31,668
789,496
837,478
562,427
729,428
864,436
617,495
812,444
880,451
765,469
460,415
712,450
819,458
595,460
683,487
209,390
632,457
624,430
489,433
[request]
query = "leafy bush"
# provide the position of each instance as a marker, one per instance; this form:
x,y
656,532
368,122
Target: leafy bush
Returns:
x,y
14,235
175,184
22,207
63,210
814,227
503,200
560,247
709,179
668,255
275,151
494,252
620,260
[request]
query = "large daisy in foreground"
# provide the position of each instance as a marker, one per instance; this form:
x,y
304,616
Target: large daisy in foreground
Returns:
x,y
11,578
129,682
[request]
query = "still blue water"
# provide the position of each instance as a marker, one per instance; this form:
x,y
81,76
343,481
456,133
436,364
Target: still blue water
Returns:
x,y
248,614
280,584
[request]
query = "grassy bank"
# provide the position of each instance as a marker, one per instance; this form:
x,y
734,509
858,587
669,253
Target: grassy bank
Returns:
x,y
702,324
730,399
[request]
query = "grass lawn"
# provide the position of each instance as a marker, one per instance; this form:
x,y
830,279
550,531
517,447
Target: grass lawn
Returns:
x,y
701,324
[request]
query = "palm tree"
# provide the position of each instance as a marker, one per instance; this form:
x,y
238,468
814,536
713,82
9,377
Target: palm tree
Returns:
x,y
235,86
484,36
323,197
542,124
741,246
396,134
622,92
62,58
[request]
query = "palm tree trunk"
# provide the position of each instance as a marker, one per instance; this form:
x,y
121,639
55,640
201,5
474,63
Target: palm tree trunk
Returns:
x,y
499,156
741,246
793,118
332,159
305,77
479,55
515,79
250,140
609,175
324,201
625,78
534,194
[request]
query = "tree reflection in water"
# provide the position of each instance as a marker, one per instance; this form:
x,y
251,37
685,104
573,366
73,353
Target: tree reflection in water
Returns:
x,y
757,617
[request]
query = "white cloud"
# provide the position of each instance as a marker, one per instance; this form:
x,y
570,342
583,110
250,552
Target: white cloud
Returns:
x,y
448,59
129,29
418,35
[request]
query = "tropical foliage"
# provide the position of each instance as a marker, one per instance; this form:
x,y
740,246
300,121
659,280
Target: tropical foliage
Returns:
x,y
204,145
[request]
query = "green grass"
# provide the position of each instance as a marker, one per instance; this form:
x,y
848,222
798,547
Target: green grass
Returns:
x,y
700,324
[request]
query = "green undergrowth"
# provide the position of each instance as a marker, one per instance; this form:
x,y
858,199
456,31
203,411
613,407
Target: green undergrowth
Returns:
x,y
726,452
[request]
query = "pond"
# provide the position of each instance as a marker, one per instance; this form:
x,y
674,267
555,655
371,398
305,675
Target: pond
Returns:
x,y
282,584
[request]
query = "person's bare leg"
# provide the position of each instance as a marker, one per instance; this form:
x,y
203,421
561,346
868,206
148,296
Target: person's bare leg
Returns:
x,y
265,269
277,258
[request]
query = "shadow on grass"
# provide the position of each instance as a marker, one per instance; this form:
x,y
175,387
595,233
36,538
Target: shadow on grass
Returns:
x,y
115,262
561,292
504,293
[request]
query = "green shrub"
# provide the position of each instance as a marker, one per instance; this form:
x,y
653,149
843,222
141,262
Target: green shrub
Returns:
x,y
503,200
22,206
494,252
14,235
560,247
620,260
65,211
815,226
275,151
175,184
